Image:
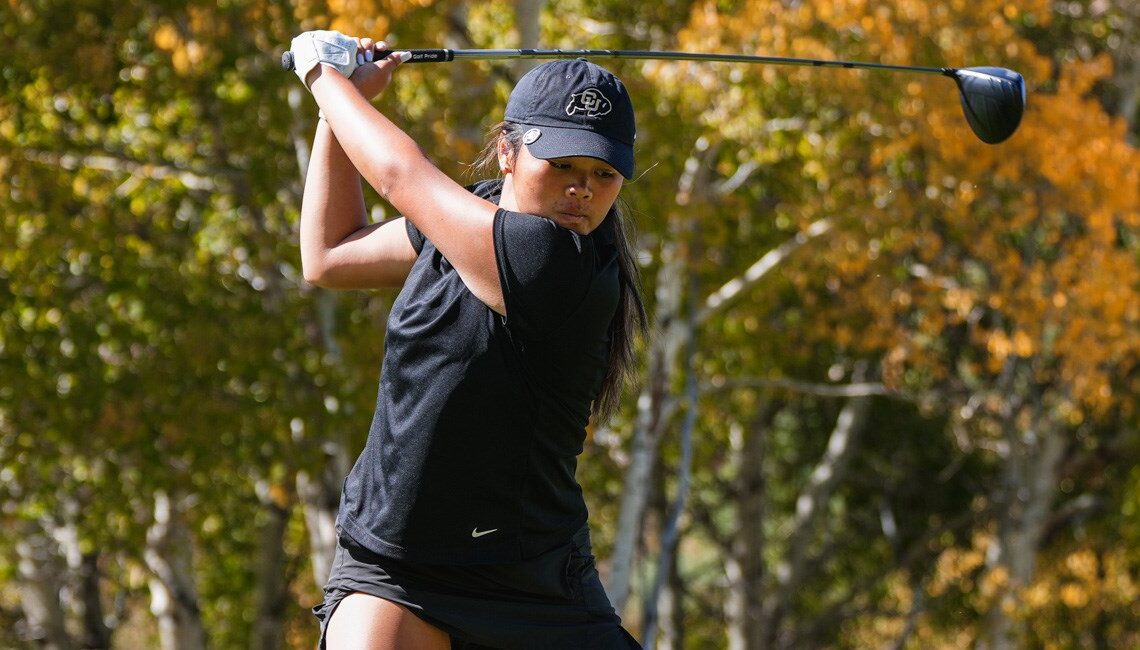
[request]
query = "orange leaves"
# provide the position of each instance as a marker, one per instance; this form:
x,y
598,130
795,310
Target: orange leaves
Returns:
x,y
1078,77
960,301
1079,149
185,53
166,36
952,251
188,39
956,568
1079,588
361,17
1001,346
374,18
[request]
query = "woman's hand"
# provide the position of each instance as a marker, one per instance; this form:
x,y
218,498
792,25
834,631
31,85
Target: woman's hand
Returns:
x,y
372,77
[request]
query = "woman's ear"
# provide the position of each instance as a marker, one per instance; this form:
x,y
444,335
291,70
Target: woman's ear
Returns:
x,y
506,156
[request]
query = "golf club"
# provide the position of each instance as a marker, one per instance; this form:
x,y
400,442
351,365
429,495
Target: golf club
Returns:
x,y
993,99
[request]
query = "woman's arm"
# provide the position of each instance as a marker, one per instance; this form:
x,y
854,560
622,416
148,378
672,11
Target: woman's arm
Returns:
x,y
339,250
457,222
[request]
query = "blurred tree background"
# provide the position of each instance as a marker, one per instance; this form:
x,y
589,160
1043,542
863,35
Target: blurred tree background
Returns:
x,y
891,396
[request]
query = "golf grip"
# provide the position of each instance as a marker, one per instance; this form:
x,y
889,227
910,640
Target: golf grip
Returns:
x,y
418,56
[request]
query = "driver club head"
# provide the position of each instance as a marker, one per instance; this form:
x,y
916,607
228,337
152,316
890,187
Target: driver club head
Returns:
x,y
993,100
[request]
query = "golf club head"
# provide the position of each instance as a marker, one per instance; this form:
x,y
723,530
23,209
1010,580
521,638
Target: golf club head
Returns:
x,y
993,100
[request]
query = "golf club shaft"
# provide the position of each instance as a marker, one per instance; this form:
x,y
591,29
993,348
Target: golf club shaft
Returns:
x,y
443,55
993,99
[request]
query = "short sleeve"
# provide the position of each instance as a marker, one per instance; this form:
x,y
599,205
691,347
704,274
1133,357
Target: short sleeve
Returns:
x,y
545,271
414,235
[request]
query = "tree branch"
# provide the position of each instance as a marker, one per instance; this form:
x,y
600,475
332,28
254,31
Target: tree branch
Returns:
x,y
720,299
123,165
733,183
858,389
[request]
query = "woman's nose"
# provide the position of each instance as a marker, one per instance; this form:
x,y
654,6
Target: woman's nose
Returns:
x,y
579,189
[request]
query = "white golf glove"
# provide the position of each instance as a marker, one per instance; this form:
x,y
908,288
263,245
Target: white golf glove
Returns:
x,y
311,49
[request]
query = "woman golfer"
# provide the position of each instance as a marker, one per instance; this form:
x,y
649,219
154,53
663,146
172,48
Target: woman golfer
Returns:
x,y
461,523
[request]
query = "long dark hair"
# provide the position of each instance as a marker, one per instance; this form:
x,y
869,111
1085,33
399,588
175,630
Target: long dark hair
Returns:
x,y
630,318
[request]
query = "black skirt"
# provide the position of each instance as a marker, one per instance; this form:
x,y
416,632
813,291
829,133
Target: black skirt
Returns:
x,y
552,601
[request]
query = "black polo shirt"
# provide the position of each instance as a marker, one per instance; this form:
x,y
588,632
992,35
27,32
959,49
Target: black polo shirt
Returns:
x,y
479,419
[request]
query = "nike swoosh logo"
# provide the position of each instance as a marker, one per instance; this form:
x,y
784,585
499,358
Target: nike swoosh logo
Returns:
x,y
475,532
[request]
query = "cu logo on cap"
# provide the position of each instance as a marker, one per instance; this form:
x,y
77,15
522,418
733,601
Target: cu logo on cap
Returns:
x,y
590,102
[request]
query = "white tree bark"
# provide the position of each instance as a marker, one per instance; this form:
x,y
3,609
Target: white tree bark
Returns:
x,y
670,537
744,563
829,471
654,409
298,133
1026,501
41,579
1127,72
173,594
83,602
270,589
96,634
320,499
319,495
656,404
729,291
527,18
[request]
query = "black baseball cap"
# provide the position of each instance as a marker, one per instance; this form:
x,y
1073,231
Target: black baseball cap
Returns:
x,y
575,108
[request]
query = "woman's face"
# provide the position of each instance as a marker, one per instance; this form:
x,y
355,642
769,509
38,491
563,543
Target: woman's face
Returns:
x,y
575,192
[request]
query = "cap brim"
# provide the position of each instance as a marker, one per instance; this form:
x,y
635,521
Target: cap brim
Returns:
x,y
555,142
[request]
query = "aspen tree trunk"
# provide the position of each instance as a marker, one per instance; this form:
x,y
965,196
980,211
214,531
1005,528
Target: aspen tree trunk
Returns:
x,y
671,610
1126,71
174,596
667,603
319,502
912,616
319,494
656,512
85,605
745,562
654,407
656,402
736,610
527,15
82,603
829,471
671,530
1026,499
41,579
96,634
270,589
